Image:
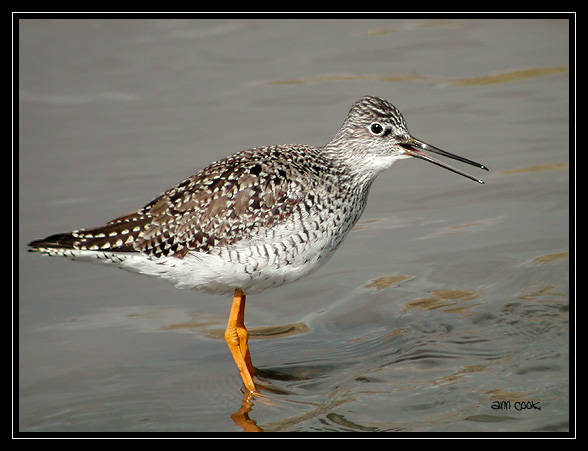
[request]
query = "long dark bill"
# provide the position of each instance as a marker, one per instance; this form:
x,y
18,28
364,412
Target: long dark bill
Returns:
x,y
415,148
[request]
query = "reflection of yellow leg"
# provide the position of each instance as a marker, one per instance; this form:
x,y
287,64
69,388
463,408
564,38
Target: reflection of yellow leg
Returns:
x,y
236,337
241,417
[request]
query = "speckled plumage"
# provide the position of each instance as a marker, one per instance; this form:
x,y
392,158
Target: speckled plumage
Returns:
x,y
256,219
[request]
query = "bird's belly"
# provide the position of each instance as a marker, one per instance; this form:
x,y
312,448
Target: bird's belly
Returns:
x,y
252,265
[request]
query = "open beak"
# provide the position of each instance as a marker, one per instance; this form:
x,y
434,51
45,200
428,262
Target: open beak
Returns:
x,y
414,148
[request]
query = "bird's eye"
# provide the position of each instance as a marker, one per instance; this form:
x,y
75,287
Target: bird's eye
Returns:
x,y
376,128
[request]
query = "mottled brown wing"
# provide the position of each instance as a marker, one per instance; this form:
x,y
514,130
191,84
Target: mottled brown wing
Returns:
x,y
224,203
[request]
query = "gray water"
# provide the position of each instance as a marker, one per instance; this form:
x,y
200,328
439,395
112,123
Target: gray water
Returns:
x,y
448,300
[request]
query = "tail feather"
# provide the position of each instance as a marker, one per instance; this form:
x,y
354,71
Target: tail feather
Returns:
x,y
118,235
98,239
58,241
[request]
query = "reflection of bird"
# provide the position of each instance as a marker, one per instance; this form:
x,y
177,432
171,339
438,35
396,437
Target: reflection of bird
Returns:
x,y
257,219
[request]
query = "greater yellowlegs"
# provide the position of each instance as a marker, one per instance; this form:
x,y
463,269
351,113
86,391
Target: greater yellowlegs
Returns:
x,y
257,219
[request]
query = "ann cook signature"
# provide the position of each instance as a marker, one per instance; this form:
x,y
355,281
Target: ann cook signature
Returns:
x,y
518,405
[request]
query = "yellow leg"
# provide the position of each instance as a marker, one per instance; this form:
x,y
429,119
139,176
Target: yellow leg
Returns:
x,y
236,337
